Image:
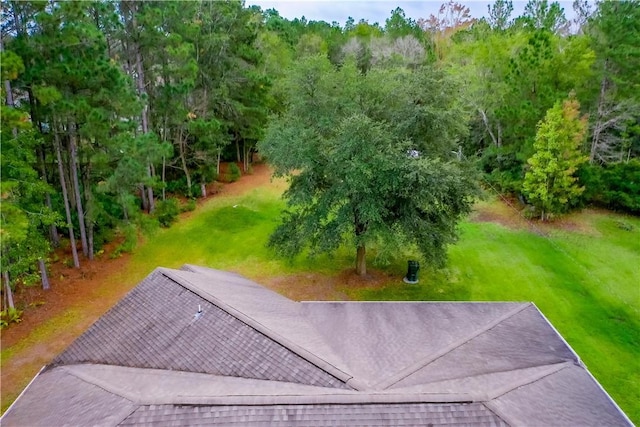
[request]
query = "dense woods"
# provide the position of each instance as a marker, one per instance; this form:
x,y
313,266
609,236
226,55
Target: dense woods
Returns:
x,y
111,108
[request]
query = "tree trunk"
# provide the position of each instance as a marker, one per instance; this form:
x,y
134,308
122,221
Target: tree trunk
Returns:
x,y
8,291
142,93
361,261
360,228
44,277
143,197
203,189
90,241
5,300
73,153
152,205
9,93
183,159
65,197
247,156
485,120
595,140
53,230
89,214
164,178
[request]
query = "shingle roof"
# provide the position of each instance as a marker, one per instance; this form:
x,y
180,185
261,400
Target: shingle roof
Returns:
x,y
157,325
417,414
201,346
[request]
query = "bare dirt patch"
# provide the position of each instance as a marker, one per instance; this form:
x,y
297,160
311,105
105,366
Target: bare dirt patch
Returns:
x,y
320,287
511,213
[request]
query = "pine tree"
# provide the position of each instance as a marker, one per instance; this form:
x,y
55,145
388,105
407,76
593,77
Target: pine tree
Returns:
x,y
550,184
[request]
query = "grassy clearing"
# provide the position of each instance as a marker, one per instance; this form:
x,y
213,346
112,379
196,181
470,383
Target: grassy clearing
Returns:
x,y
230,233
585,282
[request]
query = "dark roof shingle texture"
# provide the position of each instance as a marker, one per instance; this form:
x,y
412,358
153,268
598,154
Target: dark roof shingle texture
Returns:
x,y
155,326
251,357
418,414
63,400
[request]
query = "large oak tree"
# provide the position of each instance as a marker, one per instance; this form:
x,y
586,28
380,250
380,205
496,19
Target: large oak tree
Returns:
x,y
370,158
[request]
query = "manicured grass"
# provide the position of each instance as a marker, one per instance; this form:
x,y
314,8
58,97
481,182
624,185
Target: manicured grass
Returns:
x,y
586,283
230,233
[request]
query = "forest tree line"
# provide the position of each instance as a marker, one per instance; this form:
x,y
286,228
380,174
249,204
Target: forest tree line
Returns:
x,y
110,107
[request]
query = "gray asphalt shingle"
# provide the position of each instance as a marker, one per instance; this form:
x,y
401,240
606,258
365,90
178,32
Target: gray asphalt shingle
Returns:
x,y
419,414
60,399
206,347
157,326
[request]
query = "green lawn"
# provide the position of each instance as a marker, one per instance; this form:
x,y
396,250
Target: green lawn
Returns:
x,y
586,283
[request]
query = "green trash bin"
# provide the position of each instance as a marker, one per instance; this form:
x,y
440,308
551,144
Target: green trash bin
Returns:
x,y
412,272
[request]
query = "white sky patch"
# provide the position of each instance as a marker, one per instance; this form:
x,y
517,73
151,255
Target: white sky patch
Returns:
x,y
376,10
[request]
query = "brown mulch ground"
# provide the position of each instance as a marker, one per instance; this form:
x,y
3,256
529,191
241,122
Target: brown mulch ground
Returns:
x,y
510,213
321,287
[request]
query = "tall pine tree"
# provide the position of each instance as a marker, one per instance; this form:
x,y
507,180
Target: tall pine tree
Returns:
x,y
550,183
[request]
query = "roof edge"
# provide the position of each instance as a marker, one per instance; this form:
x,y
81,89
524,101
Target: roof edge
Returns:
x,y
22,393
580,363
322,364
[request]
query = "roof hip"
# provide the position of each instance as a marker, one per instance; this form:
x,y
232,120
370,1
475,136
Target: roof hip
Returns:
x,y
322,364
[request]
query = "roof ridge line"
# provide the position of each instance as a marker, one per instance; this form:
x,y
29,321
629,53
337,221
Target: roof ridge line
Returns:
x,y
509,420
22,393
414,367
134,398
332,396
581,364
353,398
322,364
488,396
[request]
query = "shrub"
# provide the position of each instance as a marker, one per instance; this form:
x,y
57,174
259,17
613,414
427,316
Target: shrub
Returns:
x,y
616,186
234,172
621,182
167,212
10,315
188,206
130,232
590,176
178,186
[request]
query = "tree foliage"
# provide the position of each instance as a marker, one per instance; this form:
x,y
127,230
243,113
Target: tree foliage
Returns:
x,y
369,161
108,105
551,183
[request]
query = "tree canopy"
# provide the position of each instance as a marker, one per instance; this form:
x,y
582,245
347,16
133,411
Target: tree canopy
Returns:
x,y
370,159
551,181
111,108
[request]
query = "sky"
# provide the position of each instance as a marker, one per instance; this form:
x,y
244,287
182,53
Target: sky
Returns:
x,y
376,10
